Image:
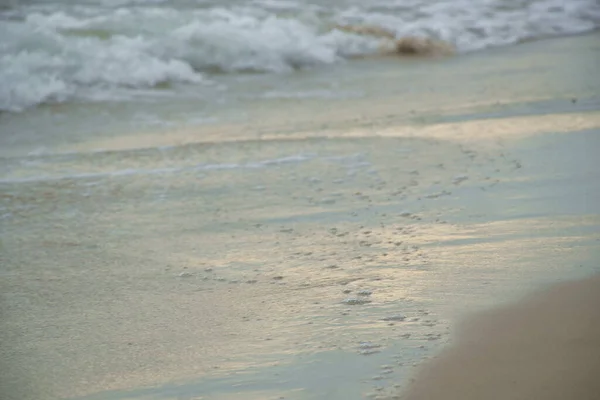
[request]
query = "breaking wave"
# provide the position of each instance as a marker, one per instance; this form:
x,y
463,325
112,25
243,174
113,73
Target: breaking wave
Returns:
x,y
54,51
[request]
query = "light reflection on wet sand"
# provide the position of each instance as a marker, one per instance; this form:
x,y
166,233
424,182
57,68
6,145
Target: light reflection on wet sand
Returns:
x,y
190,280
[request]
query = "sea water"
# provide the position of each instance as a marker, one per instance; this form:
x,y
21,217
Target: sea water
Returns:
x,y
211,52
217,199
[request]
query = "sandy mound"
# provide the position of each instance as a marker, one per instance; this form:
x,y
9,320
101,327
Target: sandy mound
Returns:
x,y
546,347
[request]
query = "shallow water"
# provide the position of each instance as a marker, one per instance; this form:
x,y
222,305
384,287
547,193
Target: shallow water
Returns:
x,y
285,270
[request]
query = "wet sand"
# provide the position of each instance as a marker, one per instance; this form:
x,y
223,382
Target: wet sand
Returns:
x,y
544,347
318,253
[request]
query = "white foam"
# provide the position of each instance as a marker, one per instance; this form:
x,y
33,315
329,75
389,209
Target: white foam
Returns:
x,y
160,171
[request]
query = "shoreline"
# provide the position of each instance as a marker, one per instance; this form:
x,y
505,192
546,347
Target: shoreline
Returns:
x,y
286,271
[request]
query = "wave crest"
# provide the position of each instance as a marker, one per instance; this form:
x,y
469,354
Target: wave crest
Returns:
x,y
54,51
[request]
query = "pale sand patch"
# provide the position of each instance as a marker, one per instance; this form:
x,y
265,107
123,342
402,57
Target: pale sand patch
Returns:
x,y
546,347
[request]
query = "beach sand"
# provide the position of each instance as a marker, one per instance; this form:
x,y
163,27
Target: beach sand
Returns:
x,y
321,250
544,347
